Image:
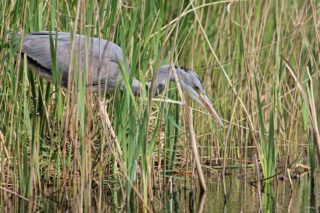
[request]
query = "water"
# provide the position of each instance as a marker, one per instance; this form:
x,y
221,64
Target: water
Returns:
x,y
241,196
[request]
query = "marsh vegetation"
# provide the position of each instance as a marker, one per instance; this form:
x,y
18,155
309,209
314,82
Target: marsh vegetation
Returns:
x,y
258,60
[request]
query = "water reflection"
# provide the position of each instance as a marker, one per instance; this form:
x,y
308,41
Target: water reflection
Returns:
x,y
183,196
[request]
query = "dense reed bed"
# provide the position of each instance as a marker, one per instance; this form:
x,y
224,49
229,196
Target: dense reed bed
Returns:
x,y
258,60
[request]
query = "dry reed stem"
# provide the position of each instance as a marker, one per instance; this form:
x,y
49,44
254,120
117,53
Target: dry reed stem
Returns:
x,y
192,138
222,68
108,126
106,122
202,200
290,179
311,108
187,11
4,146
194,147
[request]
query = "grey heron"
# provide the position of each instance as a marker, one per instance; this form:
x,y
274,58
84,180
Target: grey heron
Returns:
x,y
104,58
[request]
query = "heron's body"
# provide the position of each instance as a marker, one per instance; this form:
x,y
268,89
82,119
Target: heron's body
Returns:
x,y
102,60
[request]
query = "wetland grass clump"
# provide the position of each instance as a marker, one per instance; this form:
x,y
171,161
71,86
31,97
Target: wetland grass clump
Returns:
x,y
259,61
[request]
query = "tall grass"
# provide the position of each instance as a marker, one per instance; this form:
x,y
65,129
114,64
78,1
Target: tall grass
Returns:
x,y
60,139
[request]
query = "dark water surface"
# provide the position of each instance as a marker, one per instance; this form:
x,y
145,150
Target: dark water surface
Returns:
x,y
242,196
184,196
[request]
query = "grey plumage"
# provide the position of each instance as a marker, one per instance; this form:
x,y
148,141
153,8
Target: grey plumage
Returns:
x,y
104,58
186,76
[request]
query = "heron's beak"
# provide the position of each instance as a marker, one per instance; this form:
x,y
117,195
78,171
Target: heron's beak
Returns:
x,y
207,104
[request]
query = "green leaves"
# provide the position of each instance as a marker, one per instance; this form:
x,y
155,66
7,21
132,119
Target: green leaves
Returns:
x,y
267,147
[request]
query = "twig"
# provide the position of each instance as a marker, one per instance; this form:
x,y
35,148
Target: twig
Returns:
x,y
267,178
18,195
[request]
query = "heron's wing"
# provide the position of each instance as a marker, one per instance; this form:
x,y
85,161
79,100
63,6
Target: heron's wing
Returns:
x,y
37,48
104,56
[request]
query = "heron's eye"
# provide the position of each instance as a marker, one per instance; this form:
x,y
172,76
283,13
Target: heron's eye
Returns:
x,y
196,88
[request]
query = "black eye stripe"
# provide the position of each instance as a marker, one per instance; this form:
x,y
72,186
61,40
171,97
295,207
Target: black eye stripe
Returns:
x,y
182,68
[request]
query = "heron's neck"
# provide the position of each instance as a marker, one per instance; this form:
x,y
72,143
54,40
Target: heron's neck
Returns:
x,y
164,75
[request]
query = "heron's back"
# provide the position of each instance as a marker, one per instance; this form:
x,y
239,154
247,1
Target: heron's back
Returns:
x,y
103,57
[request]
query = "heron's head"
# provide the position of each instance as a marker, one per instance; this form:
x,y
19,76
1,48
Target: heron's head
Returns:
x,y
191,84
